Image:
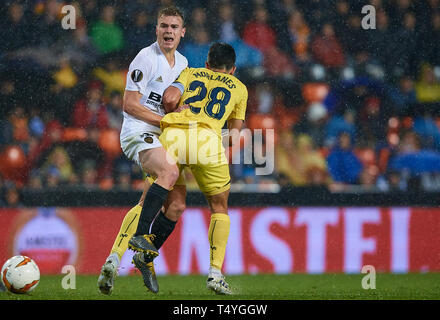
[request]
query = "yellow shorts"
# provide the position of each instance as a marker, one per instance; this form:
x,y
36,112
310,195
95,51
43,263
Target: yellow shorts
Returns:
x,y
200,150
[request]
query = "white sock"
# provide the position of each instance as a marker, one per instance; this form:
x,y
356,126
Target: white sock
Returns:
x,y
114,258
214,272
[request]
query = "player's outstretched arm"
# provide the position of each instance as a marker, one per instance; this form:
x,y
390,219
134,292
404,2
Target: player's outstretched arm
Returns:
x,y
234,128
171,98
132,106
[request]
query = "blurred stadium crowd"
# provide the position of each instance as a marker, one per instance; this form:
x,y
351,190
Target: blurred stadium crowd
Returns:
x,y
352,109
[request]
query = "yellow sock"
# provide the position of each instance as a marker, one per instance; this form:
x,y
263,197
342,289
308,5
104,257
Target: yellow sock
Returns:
x,y
127,230
218,234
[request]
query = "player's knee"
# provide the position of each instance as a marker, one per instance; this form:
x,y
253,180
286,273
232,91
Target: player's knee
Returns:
x,y
175,210
169,173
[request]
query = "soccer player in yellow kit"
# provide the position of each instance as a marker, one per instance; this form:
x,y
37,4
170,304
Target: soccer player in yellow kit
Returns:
x,y
193,138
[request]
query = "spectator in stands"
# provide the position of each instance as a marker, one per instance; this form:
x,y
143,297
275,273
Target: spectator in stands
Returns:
x,y
77,47
111,76
414,160
327,49
299,34
114,110
381,40
265,98
247,56
313,123
196,51
36,124
368,179
372,120
89,175
314,165
19,120
428,87
426,127
106,35
12,197
431,41
299,161
345,122
140,34
405,46
53,132
353,36
59,165
35,180
6,132
8,94
403,97
16,36
46,27
64,76
123,176
227,30
343,165
90,112
198,21
258,33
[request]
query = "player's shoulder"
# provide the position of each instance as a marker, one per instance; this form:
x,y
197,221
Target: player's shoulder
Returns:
x,y
181,59
148,54
150,51
239,84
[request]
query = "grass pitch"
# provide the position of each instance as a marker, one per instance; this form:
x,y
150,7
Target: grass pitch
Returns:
x,y
246,287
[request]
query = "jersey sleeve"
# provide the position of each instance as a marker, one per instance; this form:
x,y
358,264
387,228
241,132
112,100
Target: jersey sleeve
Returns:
x,y
182,80
239,111
139,73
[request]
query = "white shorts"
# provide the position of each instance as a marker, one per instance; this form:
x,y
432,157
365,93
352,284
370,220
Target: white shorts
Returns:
x,y
132,145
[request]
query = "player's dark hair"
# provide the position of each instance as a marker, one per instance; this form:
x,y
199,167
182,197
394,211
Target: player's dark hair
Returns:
x,y
221,56
171,11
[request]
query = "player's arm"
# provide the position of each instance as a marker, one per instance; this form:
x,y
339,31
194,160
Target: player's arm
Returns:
x,y
171,98
236,120
131,104
233,133
139,74
172,94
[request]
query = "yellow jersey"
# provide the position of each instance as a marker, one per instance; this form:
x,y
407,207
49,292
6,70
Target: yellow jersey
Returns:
x,y
213,98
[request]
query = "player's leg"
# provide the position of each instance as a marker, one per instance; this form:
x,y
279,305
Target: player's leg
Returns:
x,y
157,162
218,234
162,227
128,228
214,182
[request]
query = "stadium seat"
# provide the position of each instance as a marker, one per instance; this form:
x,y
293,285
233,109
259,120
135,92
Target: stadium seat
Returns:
x,y
109,142
314,91
106,183
13,163
74,134
261,121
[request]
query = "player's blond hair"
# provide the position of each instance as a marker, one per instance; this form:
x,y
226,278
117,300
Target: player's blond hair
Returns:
x,y
171,11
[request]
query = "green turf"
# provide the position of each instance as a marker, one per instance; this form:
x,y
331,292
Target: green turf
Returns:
x,y
249,287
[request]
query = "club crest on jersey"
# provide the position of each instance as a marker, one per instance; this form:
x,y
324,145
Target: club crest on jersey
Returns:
x,y
136,75
148,138
159,79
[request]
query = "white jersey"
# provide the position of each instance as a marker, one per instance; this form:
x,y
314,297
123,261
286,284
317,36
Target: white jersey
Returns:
x,y
150,74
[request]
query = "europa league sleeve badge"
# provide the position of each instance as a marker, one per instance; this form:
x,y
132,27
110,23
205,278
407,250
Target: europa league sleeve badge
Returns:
x,y
136,75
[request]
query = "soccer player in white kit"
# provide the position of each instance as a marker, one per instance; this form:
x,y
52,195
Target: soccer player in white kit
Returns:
x,y
150,73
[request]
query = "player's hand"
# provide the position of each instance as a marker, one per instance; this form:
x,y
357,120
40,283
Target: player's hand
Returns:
x,y
182,107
